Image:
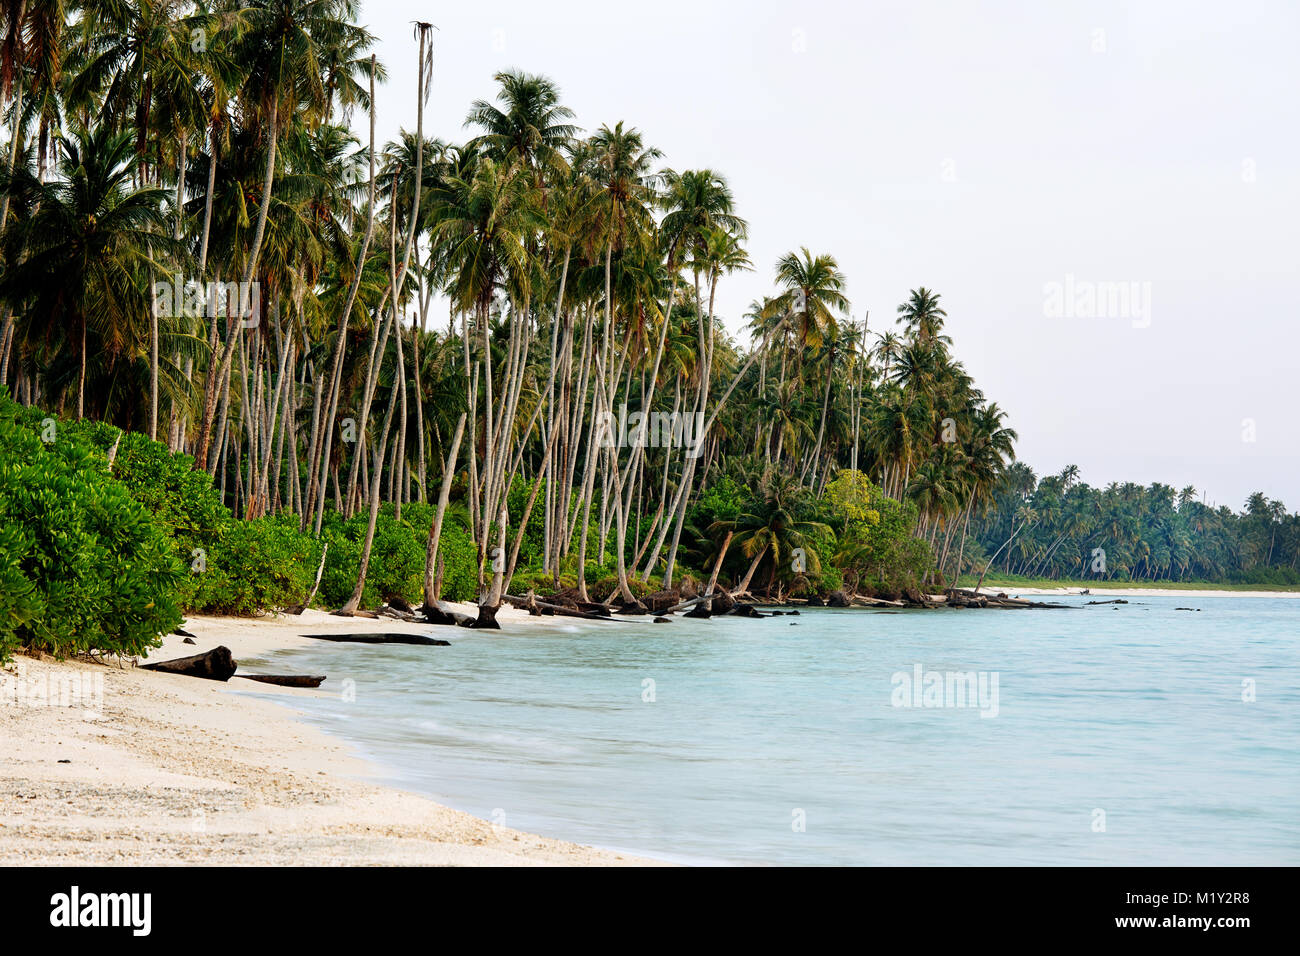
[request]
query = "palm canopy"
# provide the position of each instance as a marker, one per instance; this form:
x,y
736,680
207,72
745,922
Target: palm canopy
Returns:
x,y
529,126
813,294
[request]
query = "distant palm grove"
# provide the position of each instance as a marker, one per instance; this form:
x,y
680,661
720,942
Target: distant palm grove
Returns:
x,y
218,316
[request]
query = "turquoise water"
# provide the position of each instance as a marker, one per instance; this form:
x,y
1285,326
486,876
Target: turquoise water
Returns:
x,y
754,727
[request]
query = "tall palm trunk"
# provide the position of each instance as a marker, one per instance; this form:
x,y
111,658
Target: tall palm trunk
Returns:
x,y
322,443
250,269
435,529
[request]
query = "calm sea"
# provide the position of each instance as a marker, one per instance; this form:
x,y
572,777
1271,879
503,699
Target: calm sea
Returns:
x,y
1113,734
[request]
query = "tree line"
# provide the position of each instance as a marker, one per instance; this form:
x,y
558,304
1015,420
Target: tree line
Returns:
x,y
197,247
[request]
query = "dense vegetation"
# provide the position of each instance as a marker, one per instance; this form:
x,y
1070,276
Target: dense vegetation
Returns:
x,y
196,248
1061,528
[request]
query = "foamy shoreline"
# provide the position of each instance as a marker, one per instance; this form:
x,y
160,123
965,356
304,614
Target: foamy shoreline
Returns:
x,y
167,769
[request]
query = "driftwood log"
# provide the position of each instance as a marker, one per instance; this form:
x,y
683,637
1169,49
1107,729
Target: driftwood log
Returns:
x,y
559,609
286,680
419,639
689,604
216,664
436,614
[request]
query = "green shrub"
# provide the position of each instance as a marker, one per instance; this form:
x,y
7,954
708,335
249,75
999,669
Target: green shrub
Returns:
x,y
182,499
87,567
459,556
396,558
255,566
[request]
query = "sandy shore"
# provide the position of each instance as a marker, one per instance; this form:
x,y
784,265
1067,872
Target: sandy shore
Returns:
x,y
1141,592
150,768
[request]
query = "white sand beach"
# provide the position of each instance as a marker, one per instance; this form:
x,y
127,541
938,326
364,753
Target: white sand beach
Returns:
x,y
165,769
1109,592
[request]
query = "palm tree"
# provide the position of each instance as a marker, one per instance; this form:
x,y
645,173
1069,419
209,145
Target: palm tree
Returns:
x,y
530,127
813,293
285,45
88,267
921,316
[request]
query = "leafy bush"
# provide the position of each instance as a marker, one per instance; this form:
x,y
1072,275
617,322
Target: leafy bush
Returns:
x,y
182,499
877,549
83,566
396,556
255,566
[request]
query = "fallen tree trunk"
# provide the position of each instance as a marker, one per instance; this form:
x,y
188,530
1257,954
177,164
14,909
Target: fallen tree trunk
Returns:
x,y
216,664
863,601
436,614
691,603
286,680
419,639
557,609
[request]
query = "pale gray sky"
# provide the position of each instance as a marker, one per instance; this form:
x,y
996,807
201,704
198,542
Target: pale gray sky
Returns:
x,y
986,151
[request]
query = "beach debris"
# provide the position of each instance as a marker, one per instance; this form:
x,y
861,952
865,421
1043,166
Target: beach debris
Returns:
x,y
591,612
861,600
286,680
1116,601
216,664
399,603
437,614
381,638
698,600
723,602
661,601
703,610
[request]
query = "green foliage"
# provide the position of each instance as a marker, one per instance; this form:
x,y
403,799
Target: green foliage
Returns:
x,y
254,566
397,556
83,567
530,550
721,501
1058,526
877,549
184,501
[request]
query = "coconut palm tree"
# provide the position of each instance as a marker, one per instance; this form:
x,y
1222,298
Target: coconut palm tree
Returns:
x,y
93,247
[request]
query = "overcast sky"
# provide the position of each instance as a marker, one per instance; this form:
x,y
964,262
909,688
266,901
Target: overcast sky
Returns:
x,y
1010,156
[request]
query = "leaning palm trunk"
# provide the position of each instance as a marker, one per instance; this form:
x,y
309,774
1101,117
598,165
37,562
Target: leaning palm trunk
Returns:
x,y
381,447
688,473
435,529
717,566
743,586
322,445
1014,531
7,330
250,269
